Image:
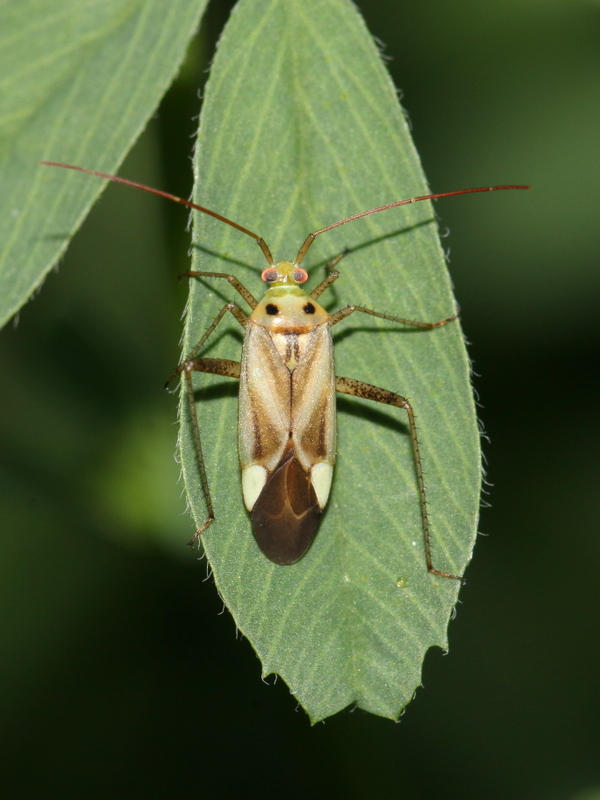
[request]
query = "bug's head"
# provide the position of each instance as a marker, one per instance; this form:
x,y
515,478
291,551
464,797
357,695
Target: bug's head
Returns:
x,y
284,273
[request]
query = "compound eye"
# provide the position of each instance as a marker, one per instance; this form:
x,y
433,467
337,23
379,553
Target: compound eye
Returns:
x,y
300,275
269,275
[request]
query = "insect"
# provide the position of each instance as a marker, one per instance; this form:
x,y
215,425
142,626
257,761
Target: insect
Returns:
x,y
287,426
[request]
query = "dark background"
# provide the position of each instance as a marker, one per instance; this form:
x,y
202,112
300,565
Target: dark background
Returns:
x,y
119,676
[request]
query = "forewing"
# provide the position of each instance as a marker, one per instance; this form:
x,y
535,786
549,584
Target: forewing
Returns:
x,y
313,400
264,401
286,516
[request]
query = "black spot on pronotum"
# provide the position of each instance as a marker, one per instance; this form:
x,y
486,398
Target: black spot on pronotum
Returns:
x,y
309,308
272,309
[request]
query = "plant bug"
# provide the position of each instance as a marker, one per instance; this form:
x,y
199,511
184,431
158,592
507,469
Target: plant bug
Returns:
x,y
287,427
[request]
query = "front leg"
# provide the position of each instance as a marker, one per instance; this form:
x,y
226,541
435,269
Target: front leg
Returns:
x,y
331,278
237,284
378,395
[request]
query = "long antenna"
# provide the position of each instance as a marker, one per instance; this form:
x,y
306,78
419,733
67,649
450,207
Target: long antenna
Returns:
x,y
312,236
261,242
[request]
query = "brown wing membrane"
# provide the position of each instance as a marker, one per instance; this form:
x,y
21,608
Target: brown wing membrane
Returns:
x,y
286,515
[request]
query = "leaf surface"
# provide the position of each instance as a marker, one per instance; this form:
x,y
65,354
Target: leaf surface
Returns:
x,y
79,82
301,126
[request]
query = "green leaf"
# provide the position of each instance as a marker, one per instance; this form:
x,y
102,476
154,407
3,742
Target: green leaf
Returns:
x,y
79,82
301,127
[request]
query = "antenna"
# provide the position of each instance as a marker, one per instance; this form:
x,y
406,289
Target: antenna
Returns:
x,y
312,236
261,242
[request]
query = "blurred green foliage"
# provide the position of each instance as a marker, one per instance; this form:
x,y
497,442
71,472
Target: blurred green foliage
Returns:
x,y
118,676
79,84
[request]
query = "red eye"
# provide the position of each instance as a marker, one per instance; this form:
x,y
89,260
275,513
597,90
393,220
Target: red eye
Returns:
x,y
269,275
300,275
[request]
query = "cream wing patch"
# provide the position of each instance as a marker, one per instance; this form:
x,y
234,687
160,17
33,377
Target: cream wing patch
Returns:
x,y
321,476
253,482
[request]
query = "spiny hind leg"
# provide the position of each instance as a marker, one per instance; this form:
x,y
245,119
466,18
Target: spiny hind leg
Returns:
x,y
378,395
215,366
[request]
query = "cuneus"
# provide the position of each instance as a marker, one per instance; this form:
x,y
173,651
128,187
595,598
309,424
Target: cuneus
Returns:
x,y
287,386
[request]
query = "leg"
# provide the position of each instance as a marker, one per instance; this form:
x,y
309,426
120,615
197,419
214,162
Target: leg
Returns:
x,y
248,296
318,290
216,366
347,310
237,313
366,390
